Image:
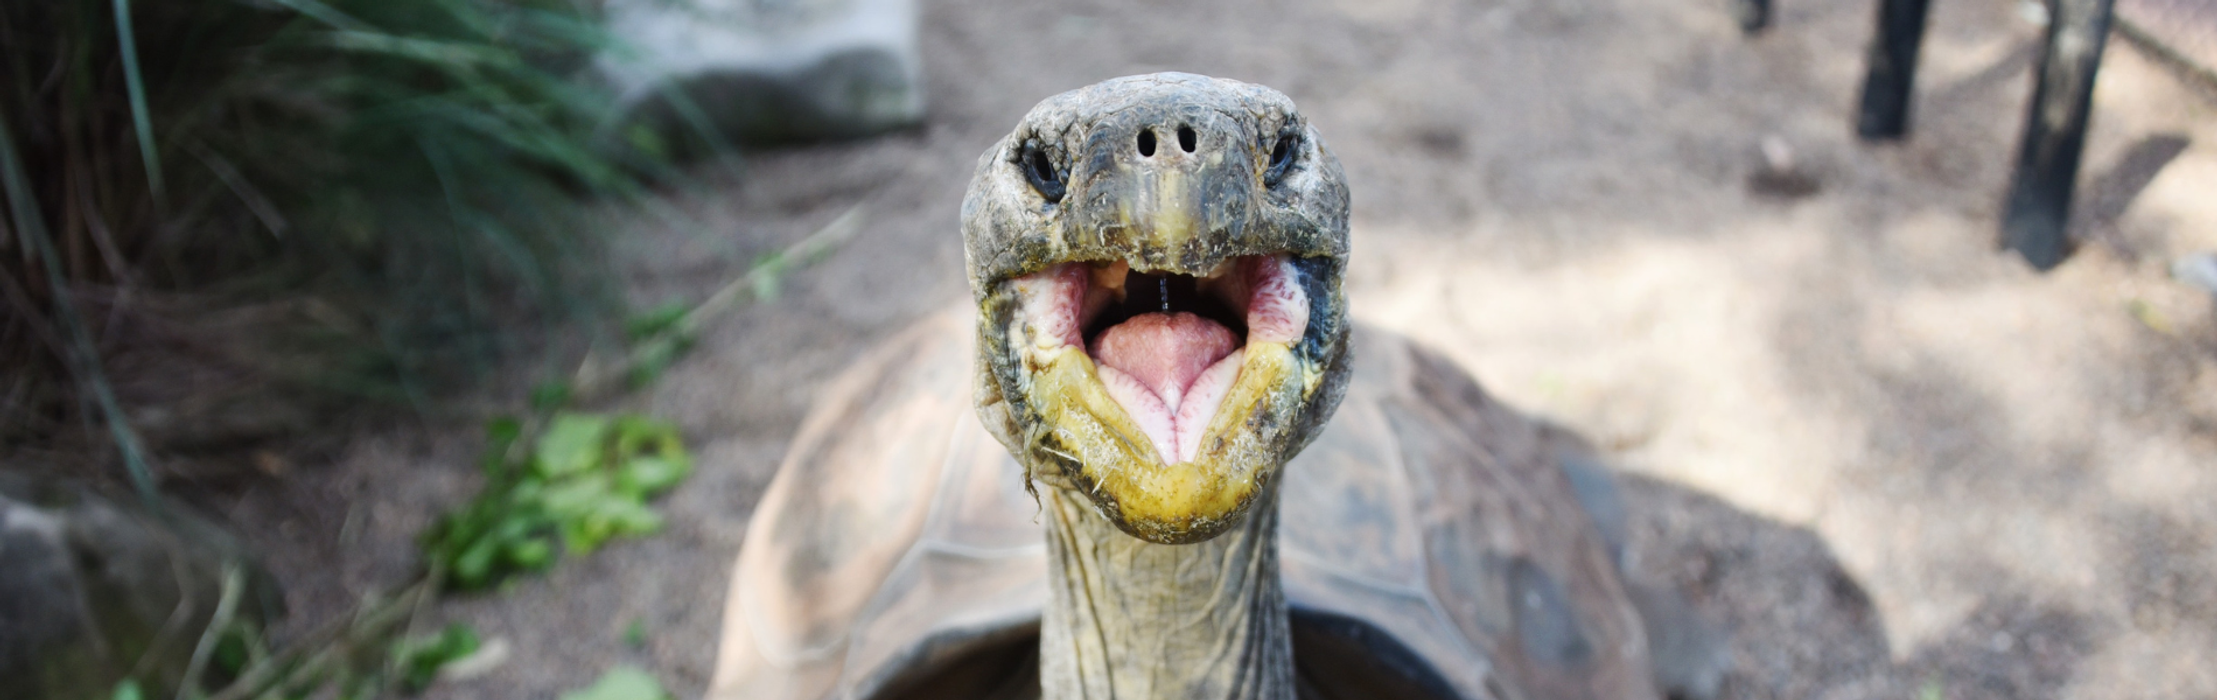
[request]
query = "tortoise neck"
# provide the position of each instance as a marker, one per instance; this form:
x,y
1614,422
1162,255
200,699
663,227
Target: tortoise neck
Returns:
x,y
1127,618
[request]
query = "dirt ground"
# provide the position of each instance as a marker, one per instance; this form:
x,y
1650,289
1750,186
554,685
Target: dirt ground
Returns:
x,y
1891,460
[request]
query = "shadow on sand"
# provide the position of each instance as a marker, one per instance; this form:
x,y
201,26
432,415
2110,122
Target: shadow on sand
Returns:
x,y
1802,627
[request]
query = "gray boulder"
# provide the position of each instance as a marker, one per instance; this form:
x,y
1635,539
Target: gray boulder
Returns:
x,y
94,590
765,71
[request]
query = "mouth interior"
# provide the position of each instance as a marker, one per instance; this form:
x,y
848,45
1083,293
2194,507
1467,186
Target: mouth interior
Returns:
x,y
1167,347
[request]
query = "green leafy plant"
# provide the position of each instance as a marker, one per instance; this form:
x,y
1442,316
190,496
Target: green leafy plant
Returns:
x,y
560,482
584,479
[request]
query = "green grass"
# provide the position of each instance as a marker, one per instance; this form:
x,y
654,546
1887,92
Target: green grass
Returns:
x,y
404,182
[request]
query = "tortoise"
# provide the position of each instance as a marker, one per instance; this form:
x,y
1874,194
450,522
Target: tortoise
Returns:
x,y
1243,493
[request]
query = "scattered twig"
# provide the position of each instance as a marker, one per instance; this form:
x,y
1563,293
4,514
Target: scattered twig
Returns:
x,y
180,615
256,202
803,252
227,607
316,652
593,378
2139,37
435,574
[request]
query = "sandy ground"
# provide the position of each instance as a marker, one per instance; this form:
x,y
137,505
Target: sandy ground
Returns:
x,y
1893,461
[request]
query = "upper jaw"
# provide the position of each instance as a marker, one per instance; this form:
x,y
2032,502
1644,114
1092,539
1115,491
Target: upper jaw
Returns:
x,y
1172,210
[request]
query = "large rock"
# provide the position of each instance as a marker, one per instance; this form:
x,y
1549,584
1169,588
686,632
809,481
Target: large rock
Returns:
x,y
95,589
766,71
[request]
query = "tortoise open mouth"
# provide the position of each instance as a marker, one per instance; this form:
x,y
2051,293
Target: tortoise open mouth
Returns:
x,y
1168,348
1168,399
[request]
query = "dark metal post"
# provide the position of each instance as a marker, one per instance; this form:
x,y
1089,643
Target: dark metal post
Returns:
x,y
1754,15
2036,215
1893,69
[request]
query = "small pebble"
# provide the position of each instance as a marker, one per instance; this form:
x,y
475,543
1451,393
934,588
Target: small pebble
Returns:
x,y
1777,154
1778,175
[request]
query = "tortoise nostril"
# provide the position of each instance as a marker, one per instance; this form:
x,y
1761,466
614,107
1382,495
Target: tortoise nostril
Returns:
x,y
1187,139
1146,143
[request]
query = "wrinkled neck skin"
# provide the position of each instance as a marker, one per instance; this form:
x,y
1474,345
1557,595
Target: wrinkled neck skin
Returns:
x,y
1132,619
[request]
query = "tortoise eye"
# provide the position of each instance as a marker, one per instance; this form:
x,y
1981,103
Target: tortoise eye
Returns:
x,y
1041,171
1281,158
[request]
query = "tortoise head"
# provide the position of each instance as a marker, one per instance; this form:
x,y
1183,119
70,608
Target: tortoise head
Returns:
x,y
1156,262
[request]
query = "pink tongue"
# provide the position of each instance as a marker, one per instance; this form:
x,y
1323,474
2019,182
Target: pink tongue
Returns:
x,y
1165,352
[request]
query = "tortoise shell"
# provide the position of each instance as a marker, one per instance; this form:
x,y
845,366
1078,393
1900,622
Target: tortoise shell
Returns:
x,y
1432,544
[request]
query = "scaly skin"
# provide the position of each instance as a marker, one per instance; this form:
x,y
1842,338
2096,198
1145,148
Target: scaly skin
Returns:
x,y
1164,577
1133,619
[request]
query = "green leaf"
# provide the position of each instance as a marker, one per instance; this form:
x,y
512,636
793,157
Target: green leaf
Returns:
x,y
578,495
628,517
644,138
572,443
637,436
527,494
502,432
652,358
621,683
1933,689
231,654
583,535
500,435
129,690
420,659
532,555
656,321
635,635
636,433
646,476
550,395
474,567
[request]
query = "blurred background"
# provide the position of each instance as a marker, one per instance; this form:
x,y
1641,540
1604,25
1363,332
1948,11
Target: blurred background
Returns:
x,y
444,346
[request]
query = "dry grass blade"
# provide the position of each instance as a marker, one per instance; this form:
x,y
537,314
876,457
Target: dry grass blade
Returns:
x,y
369,626
83,355
227,608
